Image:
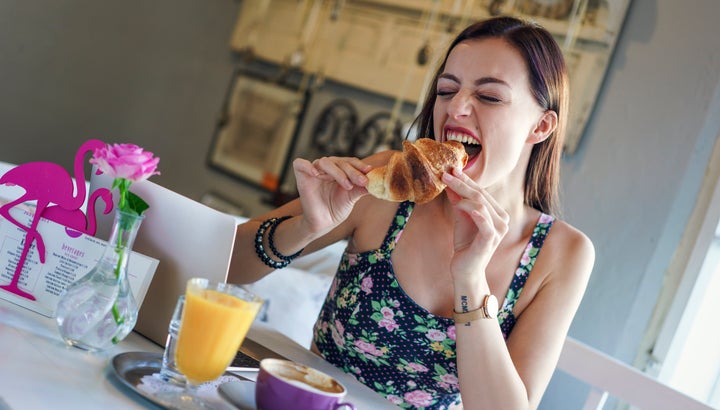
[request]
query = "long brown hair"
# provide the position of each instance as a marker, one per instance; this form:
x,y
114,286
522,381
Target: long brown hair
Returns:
x,y
549,85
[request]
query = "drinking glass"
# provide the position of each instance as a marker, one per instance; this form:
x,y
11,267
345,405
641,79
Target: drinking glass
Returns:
x,y
169,371
214,321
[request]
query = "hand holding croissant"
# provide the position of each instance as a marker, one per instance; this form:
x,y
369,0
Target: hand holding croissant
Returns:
x,y
415,173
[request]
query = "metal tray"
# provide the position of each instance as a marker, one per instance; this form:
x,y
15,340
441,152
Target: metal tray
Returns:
x,y
138,370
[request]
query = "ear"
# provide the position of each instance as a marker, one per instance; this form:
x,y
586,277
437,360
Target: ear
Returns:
x,y
544,127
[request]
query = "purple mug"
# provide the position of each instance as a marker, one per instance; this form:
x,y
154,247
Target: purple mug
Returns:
x,y
282,384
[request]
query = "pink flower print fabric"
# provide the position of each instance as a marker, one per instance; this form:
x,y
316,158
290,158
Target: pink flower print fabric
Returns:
x,y
370,328
506,318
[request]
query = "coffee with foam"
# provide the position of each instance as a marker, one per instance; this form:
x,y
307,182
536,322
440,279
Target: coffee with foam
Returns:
x,y
304,377
283,384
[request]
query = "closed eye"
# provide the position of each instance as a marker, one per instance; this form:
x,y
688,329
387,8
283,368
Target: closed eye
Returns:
x,y
489,98
444,93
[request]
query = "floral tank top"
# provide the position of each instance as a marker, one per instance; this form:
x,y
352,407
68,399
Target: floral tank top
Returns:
x,y
370,328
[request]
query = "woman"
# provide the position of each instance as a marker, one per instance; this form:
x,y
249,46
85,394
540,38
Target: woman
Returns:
x,y
409,269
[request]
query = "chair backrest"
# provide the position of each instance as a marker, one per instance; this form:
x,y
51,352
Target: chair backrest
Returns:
x,y
609,376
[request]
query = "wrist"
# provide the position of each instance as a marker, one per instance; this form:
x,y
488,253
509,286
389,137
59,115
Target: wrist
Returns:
x,y
266,243
488,310
469,293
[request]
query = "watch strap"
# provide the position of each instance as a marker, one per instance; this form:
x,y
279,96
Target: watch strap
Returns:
x,y
479,313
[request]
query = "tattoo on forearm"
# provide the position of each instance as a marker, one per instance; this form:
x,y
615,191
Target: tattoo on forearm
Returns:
x,y
464,306
463,303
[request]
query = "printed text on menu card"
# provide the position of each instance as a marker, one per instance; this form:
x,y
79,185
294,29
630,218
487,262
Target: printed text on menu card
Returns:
x,y
67,259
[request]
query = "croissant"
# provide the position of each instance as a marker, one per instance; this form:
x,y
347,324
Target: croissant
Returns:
x,y
415,173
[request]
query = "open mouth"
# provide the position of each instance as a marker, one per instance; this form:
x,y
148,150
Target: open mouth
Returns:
x,y
472,146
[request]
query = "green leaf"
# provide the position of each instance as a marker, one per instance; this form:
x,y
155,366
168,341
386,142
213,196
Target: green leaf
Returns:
x,y
136,204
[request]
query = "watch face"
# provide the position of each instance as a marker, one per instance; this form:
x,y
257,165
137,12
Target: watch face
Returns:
x,y
491,306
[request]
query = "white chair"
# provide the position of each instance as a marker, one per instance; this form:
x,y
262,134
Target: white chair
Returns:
x,y
609,376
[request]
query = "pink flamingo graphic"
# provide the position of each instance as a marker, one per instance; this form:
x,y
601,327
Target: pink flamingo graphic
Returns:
x,y
45,183
75,221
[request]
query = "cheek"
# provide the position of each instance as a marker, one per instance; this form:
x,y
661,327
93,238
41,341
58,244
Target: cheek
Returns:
x,y
438,121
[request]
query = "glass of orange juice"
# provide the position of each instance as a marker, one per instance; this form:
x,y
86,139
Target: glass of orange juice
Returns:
x,y
215,320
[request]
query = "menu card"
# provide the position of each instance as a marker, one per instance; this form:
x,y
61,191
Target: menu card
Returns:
x,y
69,255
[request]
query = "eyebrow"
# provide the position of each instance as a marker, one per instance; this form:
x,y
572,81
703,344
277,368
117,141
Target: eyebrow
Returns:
x,y
478,82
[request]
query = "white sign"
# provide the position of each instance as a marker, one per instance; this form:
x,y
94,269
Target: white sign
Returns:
x,y
69,255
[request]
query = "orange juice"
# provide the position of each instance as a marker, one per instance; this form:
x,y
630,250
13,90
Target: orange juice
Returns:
x,y
213,326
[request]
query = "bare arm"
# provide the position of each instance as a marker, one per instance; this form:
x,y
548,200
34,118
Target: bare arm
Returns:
x,y
515,374
328,189
491,372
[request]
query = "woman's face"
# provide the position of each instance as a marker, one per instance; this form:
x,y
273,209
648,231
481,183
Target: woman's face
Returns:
x,y
484,101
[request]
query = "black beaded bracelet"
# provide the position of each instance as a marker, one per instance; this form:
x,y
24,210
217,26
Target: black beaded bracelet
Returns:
x,y
260,248
271,235
271,223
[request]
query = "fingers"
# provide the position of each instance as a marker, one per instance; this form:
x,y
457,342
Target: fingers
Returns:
x,y
469,197
305,166
347,172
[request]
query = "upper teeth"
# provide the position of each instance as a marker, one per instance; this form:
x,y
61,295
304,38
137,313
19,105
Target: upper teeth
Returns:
x,y
463,138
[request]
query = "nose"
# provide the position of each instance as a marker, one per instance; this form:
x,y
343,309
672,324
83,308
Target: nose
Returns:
x,y
460,105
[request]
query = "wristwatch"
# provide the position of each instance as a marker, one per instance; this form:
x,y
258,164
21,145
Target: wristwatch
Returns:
x,y
487,310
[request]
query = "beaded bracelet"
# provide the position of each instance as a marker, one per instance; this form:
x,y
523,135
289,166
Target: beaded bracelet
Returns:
x,y
272,223
271,242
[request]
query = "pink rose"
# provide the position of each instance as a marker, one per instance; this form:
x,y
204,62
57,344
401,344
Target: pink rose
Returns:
x,y
435,335
339,326
450,379
525,259
337,338
544,219
388,324
366,347
451,332
127,161
418,398
387,312
366,285
394,399
417,367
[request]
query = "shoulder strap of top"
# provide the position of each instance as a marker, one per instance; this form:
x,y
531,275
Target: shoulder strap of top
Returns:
x,y
527,261
396,227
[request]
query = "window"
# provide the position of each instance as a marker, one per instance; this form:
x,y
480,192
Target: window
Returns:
x,y
683,335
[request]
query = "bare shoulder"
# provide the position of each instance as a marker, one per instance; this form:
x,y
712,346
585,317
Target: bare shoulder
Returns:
x,y
572,238
370,220
569,252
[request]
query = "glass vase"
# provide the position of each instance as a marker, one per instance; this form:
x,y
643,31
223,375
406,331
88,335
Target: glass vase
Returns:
x,y
99,309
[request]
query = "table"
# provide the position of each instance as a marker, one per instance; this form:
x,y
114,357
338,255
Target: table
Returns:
x,y
37,369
